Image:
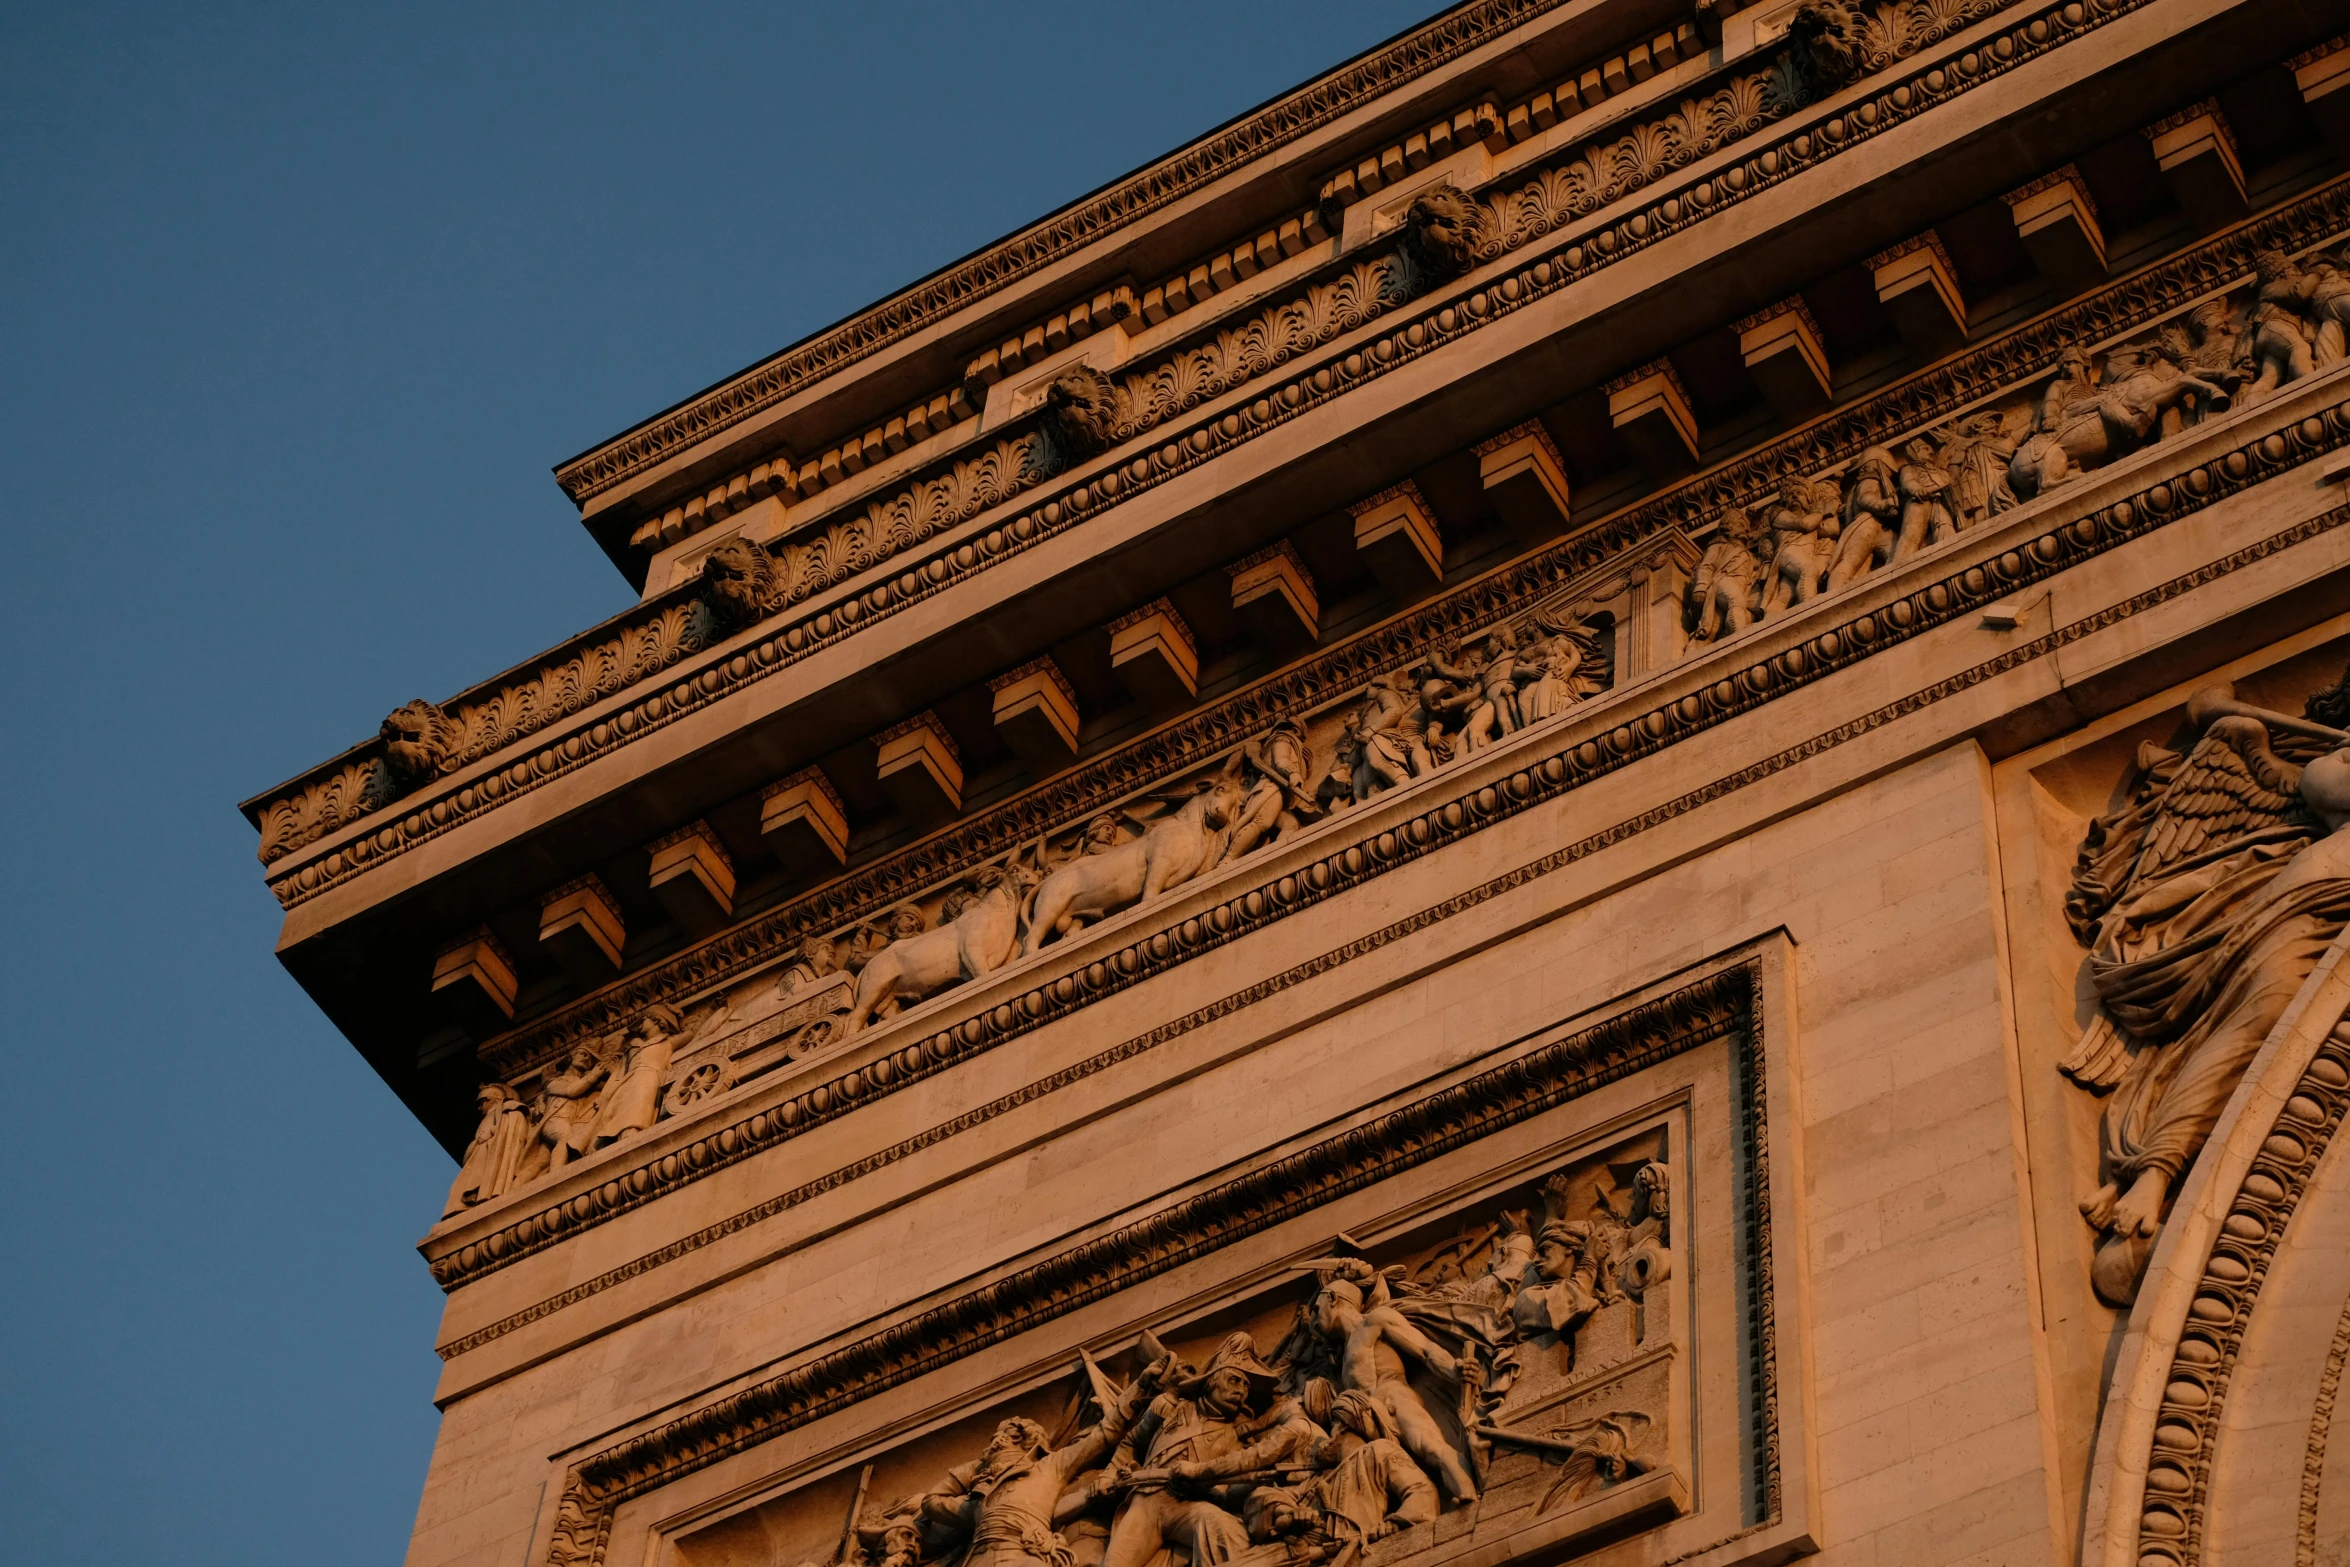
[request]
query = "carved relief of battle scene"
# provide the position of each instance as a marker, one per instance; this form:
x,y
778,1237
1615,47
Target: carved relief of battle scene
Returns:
x,y
1821,533
1452,702
1514,1362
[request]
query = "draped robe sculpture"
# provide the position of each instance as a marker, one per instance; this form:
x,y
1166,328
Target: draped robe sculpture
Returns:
x,y
2205,904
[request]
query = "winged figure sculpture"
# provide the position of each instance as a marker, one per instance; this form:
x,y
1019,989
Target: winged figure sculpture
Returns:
x,y
2205,903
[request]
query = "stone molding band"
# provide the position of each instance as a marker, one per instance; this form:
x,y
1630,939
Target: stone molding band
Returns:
x,y
1425,49
1725,1006
288,826
1960,593
2014,357
2202,1366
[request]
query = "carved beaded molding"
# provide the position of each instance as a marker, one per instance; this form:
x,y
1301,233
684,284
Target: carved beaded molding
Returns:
x,y
1557,572
2178,1477
1425,49
332,798
1726,1007
1585,752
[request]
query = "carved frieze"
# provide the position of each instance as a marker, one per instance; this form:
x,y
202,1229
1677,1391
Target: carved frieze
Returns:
x,y
1515,1365
2020,559
1601,175
1438,709
1913,491
1517,1359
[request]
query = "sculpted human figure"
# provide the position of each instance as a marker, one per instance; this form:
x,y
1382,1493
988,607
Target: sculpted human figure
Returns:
x,y
1976,452
1803,523
569,1113
1928,515
1556,666
493,1160
1369,1487
1005,1501
2319,295
1394,727
1482,696
2083,420
2281,350
1374,1348
1725,589
1193,1435
1280,792
2205,905
1870,524
633,1102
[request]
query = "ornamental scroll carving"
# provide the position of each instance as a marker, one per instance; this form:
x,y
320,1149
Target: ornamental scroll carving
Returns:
x,y
1437,710
1518,1365
1595,175
1819,534
2205,902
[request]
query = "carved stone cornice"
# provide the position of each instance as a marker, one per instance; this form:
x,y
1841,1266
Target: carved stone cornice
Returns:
x,y
1595,175
2024,547
1075,228
1998,363
1724,1006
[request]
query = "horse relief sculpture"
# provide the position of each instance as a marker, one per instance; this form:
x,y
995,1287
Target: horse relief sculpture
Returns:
x,y
1449,703
1820,534
1381,1408
978,932
2205,903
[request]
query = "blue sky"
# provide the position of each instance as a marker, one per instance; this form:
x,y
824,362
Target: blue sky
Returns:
x,y
297,308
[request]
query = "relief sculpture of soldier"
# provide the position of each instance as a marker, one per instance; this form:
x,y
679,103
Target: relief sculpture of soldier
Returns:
x,y
1194,1435
2205,904
1007,1503
1373,1415
1353,1326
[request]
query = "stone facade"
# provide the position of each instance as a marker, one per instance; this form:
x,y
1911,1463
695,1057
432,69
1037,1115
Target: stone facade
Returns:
x,y
1578,802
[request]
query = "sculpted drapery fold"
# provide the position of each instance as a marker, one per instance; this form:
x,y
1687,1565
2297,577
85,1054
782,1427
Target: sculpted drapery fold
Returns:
x,y
2205,903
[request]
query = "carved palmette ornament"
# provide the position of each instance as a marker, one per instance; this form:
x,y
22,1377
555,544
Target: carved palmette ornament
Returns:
x,y
839,546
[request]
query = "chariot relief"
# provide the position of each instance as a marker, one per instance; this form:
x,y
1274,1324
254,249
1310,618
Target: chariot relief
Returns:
x,y
1819,534
1517,1365
1448,704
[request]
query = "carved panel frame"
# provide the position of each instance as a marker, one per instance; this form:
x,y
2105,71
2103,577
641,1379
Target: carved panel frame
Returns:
x,y
1582,1083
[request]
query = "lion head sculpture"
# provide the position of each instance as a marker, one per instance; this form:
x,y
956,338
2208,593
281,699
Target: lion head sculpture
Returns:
x,y
1825,48
738,581
1080,412
420,743
1442,230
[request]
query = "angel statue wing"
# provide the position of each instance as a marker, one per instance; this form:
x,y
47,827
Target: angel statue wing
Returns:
x,y
2229,791
2232,786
